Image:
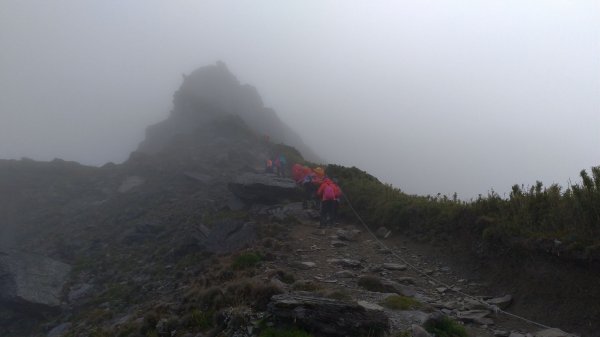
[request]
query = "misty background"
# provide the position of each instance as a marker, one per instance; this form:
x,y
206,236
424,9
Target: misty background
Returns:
x,y
431,96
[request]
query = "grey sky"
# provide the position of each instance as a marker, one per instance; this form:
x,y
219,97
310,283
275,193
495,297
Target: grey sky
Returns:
x,y
431,96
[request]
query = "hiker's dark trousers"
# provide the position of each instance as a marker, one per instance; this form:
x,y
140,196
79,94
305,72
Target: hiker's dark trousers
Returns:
x,y
328,212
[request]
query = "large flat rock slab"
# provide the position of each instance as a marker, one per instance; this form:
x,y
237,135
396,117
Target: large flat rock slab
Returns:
x,y
264,188
31,279
327,316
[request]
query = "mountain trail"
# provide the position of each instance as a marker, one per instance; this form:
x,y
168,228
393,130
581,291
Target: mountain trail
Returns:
x,y
347,262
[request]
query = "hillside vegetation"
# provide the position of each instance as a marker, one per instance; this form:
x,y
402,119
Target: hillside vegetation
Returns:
x,y
557,220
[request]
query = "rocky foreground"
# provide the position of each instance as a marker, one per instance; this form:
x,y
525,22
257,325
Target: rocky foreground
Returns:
x,y
261,267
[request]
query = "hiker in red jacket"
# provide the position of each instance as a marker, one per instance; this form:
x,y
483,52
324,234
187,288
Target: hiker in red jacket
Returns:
x,y
297,173
329,192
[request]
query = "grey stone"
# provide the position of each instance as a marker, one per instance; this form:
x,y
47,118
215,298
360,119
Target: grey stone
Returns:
x,y
472,304
327,316
406,280
418,331
501,302
344,274
394,266
59,330
338,244
551,333
474,316
501,333
347,235
348,263
32,278
304,265
516,334
383,233
370,306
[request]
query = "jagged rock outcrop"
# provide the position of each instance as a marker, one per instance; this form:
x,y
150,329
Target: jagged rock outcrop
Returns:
x,y
31,279
210,93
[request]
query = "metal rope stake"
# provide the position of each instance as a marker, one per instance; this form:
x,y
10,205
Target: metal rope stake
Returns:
x,y
420,272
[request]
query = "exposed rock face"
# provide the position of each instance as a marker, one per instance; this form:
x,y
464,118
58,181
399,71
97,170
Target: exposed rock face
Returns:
x,y
31,279
213,92
328,317
265,188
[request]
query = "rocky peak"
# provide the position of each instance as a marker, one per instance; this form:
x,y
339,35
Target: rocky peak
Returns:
x,y
213,92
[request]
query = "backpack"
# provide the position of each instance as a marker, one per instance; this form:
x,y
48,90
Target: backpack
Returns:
x,y
329,193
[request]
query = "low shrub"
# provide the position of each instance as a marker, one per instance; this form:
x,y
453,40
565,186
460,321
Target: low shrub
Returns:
x,y
246,260
398,302
445,327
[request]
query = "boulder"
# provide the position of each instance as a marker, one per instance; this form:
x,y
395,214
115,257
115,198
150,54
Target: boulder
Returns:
x,y
328,316
264,188
501,302
349,235
31,279
474,316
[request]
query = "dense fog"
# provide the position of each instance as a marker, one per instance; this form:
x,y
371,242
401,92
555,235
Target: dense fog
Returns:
x,y
430,96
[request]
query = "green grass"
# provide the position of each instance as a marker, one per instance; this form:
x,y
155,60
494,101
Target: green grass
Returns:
x,y
446,327
246,260
398,302
271,332
202,319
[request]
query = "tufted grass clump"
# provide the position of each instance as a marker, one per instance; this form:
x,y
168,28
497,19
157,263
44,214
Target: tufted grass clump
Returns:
x,y
445,327
246,260
398,302
201,319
